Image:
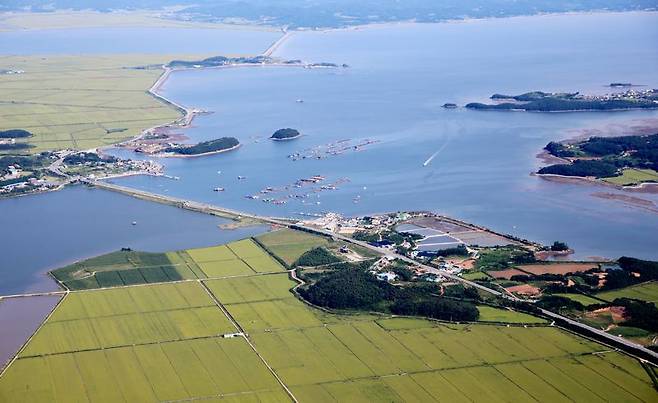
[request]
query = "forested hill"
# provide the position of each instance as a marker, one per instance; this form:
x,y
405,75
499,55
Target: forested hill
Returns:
x,y
604,156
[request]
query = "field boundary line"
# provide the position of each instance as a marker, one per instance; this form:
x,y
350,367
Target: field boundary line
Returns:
x,y
650,371
150,343
246,337
114,315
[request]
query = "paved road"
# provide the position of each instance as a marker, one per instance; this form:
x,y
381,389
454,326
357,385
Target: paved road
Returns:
x,y
211,209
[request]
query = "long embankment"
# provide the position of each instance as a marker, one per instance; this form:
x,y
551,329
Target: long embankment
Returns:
x,y
276,44
562,321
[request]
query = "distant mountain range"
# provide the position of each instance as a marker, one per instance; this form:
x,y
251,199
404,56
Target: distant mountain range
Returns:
x,y
333,13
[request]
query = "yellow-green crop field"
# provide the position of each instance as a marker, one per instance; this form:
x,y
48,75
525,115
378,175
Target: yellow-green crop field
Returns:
x,y
491,314
125,316
289,245
645,292
239,258
131,268
632,176
164,342
81,102
583,299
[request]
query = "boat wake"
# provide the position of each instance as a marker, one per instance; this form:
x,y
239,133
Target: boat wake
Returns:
x,y
429,160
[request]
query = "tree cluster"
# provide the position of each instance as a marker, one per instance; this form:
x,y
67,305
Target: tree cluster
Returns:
x,y
14,134
348,289
316,257
595,168
220,144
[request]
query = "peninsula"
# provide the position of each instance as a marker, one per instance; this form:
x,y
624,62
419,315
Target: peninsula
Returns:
x,y
539,101
623,161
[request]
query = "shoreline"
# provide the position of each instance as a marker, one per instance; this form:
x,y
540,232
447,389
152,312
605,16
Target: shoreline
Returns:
x,y
287,138
564,111
646,187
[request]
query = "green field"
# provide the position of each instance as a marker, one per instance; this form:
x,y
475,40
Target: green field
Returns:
x,y
131,267
491,314
632,176
583,299
476,275
126,268
239,258
146,343
127,316
645,292
251,289
164,342
81,102
289,245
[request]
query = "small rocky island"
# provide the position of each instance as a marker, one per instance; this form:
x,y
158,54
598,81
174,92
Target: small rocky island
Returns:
x,y
204,148
539,101
285,134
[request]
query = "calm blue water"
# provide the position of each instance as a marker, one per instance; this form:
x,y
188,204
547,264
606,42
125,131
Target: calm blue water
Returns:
x,y
51,230
399,77
136,40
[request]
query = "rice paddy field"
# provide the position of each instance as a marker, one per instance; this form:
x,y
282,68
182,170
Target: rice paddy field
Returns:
x,y
181,341
289,245
491,314
121,268
81,102
645,292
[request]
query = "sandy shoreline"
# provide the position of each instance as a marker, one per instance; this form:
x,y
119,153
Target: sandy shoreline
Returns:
x,y
648,187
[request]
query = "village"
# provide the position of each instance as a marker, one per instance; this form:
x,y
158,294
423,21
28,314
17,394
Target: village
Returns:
x,y
49,171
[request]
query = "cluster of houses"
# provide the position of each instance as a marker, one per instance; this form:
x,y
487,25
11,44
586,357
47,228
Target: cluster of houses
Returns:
x,y
630,94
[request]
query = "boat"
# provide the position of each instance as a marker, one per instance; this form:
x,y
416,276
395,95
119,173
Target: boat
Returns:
x,y
218,189
240,177
134,223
